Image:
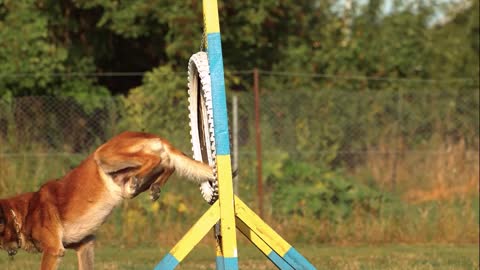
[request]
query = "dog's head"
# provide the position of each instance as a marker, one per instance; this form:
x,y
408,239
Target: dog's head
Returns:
x,y
8,233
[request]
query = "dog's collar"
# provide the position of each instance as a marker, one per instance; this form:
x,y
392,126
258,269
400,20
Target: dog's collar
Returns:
x,y
17,226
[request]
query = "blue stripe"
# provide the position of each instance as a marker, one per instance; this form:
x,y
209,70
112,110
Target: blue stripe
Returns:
x,y
168,262
219,263
279,261
296,260
220,118
231,263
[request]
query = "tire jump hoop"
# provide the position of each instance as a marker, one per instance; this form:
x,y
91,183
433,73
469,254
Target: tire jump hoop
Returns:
x,y
210,141
201,119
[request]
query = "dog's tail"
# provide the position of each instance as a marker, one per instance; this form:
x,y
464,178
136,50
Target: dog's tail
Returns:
x,y
193,170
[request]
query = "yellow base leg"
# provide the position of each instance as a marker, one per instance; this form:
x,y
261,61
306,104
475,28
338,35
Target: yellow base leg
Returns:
x,y
258,229
190,239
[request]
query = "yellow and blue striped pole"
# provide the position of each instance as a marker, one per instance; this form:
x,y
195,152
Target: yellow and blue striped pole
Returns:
x,y
227,253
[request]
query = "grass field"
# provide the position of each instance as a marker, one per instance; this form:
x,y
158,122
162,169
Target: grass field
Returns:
x,y
399,257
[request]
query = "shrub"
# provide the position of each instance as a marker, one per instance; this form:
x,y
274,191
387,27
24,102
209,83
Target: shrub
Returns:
x,y
324,193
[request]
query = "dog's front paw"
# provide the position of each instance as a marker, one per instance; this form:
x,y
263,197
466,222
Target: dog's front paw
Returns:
x,y
134,183
131,186
11,252
154,192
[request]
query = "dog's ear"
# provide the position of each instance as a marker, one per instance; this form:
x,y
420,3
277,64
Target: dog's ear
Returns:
x,y
111,163
116,166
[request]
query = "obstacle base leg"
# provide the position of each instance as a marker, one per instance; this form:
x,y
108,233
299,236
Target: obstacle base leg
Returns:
x,y
190,239
262,246
263,234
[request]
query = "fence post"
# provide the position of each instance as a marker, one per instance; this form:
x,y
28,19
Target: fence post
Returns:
x,y
396,152
235,143
258,139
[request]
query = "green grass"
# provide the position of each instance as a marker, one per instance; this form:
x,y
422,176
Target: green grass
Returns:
x,y
323,257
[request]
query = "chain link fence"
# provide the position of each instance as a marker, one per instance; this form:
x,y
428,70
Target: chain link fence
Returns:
x,y
418,138
401,134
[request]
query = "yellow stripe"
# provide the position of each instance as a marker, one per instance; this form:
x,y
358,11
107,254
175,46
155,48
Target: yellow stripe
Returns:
x,y
196,233
253,237
227,215
256,224
210,14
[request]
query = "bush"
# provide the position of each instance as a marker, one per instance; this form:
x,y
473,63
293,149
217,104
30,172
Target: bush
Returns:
x,y
327,194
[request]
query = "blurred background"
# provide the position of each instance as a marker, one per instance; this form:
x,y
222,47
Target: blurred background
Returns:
x,y
369,109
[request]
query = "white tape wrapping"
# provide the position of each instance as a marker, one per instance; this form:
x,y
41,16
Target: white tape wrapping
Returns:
x,y
201,119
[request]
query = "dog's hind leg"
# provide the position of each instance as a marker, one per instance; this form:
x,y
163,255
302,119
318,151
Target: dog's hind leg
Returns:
x,y
85,253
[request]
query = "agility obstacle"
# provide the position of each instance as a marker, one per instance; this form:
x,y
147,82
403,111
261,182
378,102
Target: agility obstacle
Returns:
x,y
228,212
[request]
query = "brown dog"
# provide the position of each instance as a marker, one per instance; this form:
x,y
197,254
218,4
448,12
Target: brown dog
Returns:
x,y
66,213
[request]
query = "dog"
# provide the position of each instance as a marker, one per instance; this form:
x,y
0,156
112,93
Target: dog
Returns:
x,y
65,213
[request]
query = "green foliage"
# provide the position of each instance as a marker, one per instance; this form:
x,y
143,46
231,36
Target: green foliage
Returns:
x,y
27,57
160,105
408,41
154,29
33,62
455,47
306,190
83,89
